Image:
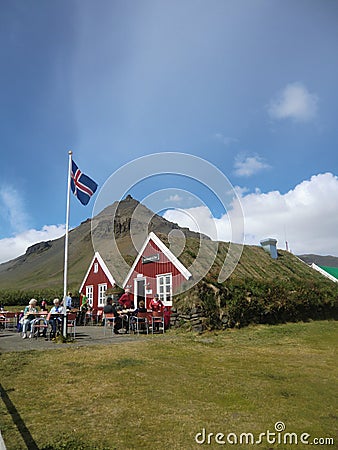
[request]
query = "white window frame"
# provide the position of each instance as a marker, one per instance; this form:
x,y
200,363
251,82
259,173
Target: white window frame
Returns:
x,y
96,267
165,296
101,291
90,294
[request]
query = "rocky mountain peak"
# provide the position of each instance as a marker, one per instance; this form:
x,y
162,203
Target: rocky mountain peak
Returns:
x,y
39,247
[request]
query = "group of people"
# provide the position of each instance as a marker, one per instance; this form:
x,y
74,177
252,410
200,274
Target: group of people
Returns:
x,y
126,302
54,317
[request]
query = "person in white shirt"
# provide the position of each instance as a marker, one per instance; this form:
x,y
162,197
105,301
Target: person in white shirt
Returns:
x,y
69,301
28,317
55,316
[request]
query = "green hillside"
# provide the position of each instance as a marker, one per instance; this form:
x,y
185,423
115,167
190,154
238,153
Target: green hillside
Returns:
x,y
42,265
261,290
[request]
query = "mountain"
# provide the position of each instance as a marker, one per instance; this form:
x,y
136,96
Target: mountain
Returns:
x,y
42,264
41,267
328,260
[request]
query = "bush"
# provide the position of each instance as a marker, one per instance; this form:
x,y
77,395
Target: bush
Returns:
x,y
21,298
238,303
279,302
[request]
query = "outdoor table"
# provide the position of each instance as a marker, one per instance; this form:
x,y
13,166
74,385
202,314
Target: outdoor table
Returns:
x,y
39,313
56,315
8,319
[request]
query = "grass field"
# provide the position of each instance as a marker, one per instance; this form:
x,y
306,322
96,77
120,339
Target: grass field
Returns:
x,y
161,392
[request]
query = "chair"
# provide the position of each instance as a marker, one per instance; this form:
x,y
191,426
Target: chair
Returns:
x,y
109,322
157,321
39,325
140,322
71,323
96,316
88,317
8,319
56,322
92,317
99,315
3,321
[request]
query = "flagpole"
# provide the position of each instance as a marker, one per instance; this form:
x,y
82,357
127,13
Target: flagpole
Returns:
x,y
65,271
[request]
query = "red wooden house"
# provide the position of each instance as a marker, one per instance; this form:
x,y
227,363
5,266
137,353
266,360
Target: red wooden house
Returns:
x,y
96,281
155,270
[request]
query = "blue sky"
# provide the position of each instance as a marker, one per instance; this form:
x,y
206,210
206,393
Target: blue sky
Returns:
x,y
249,86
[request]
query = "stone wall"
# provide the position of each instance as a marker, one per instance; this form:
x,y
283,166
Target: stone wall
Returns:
x,y
193,320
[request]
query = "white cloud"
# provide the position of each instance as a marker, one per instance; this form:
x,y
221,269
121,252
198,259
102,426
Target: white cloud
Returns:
x,y
306,216
249,165
240,190
294,102
174,198
226,140
198,219
15,246
12,208
13,212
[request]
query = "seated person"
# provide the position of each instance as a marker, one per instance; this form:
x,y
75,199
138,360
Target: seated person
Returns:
x,y
28,317
141,309
156,304
109,308
126,300
56,321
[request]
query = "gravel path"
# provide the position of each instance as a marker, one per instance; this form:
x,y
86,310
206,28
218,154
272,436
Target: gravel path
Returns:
x,y
11,341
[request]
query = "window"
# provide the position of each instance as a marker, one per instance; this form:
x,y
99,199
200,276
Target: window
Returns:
x,y
96,267
164,288
102,291
89,294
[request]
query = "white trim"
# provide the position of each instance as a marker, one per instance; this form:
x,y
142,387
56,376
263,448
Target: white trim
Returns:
x,y
90,296
163,275
135,290
100,285
172,258
323,272
104,268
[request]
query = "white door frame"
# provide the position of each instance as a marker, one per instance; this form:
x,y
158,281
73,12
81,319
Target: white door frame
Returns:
x,y
135,289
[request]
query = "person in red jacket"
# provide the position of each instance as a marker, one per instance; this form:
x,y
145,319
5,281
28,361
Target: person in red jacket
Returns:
x,y
126,300
156,304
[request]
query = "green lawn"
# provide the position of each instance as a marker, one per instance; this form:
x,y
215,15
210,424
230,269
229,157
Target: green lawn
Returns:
x,y
162,391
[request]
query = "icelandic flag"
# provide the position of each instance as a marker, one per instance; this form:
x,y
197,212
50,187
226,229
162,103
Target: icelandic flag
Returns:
x,y
82,186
